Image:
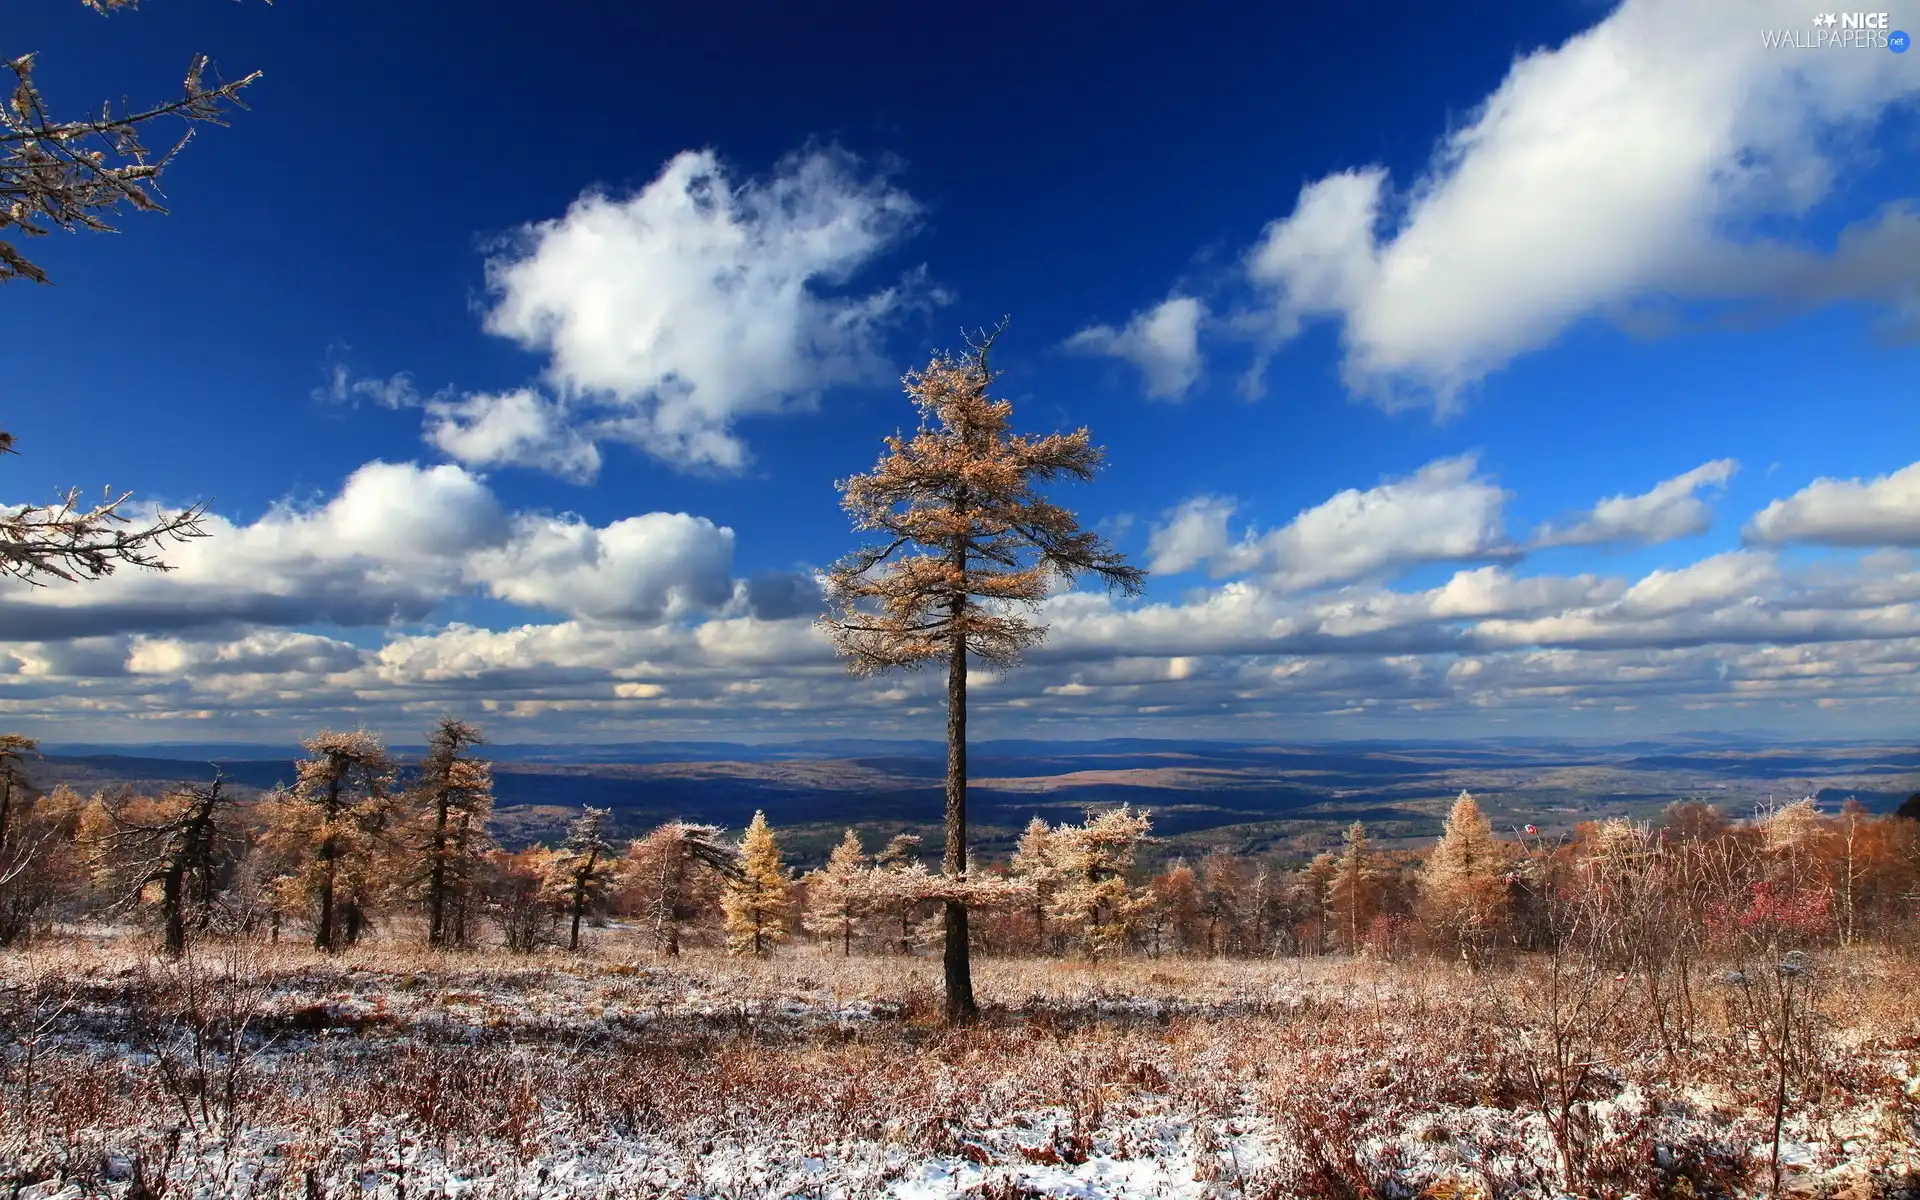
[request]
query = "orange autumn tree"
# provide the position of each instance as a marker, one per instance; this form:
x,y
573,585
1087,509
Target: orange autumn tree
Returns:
x,y
970,549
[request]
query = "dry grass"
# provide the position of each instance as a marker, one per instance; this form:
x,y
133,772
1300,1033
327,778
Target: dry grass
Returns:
x,y
254,1070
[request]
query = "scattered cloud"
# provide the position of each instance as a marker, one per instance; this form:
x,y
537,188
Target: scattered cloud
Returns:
x,y
1444,512
518,428
1163,341
1191,535
638,570
1672,509
395,392
394,543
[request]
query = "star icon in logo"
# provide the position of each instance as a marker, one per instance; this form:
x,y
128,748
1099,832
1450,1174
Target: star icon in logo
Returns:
x,y
1825,19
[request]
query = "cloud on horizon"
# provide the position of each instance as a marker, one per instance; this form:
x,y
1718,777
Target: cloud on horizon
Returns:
x,y
641,626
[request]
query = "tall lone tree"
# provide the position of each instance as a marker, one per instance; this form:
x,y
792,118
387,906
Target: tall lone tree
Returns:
x,y
970,550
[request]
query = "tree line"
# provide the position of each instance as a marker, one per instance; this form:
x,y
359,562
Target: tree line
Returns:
x,y
356,841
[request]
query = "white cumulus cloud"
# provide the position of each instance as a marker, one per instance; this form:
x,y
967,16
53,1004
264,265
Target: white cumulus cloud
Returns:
x,y
1444,512
519,427
1163,341
638,569
670,313
1618,168
1846,512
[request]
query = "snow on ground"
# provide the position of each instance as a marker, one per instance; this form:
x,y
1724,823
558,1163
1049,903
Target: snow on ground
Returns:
x,y
262,1073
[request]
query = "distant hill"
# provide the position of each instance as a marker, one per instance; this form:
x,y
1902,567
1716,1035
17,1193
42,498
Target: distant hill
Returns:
x,y
1244,795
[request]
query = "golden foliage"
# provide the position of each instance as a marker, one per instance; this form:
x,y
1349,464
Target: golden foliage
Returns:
x,y
970,541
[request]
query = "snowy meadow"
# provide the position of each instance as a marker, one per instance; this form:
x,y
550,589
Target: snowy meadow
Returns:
x,y
253,1070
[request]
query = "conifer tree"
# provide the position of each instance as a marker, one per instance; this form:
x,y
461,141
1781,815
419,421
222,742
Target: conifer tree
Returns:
x,y
839,894
1093,859
1176,905
900,884
1033,866
670,873
448,839
328,828
756,903
980,546
584,868
518,890
1224,882
1461,893
14,751
1356,886
1314,891
184,843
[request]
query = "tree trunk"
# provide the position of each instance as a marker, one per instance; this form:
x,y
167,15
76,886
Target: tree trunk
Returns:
x,y
6,806
323,928
437,878
463,881
958,957
580,883
329,850
170,911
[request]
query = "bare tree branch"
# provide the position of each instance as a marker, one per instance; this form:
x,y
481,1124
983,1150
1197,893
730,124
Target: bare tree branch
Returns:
x,y
69,175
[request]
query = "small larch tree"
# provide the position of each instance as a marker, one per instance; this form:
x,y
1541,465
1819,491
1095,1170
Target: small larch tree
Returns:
x,y
1034,867
1355,890
584,868
670,877
755,903
969,548
1093,858
839,894
448,842
328,830
1462,893
184,844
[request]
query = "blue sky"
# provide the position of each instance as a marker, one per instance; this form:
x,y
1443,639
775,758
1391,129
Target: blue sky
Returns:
x,y
1506,369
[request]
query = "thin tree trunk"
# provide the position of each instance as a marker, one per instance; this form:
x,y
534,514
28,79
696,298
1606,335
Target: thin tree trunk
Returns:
x,y
329,850
6,806
437,878
170,911
580,882
959,961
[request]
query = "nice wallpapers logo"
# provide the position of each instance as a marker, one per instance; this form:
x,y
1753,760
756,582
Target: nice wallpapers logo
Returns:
x,y
1841,31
